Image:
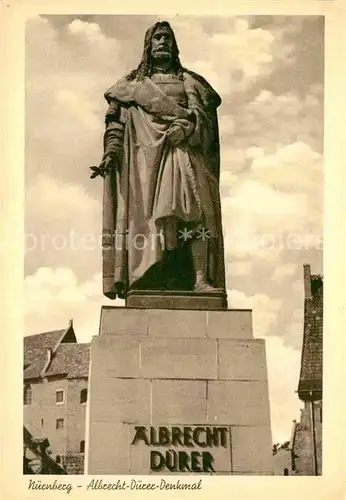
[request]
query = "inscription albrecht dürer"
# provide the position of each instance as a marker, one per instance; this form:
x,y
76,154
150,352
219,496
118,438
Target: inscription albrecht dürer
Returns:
x,y
161,177
187,437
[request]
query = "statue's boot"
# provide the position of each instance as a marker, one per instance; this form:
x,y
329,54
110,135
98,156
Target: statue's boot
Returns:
x,y
199,255
204,287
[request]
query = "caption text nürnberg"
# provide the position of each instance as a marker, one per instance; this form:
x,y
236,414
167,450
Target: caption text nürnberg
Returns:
x,y
119,485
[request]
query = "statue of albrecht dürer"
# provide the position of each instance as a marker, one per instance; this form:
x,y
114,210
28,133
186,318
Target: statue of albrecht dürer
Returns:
x,y
161,207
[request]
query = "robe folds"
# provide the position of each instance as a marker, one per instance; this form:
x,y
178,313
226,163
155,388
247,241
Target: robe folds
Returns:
x,y
156,182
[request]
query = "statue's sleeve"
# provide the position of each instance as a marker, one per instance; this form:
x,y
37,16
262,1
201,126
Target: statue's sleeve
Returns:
x,y
205,135
114,134
203,131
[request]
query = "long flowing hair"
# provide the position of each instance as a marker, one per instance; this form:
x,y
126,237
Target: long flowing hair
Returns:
x,y
145,67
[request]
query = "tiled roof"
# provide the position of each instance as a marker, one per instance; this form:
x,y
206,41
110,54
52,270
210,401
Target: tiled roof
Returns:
x,y
310,381
49,352
71,360
36,368
36,345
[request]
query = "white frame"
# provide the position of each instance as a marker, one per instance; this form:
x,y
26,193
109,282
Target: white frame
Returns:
x,y
56,424
63,396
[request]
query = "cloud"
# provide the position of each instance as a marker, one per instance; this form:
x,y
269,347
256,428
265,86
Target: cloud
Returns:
x,y
67,73
79,107
265,309
284,271
69,227
61,198
265,201
91,32
293,167
283,364
226,124
294,170
272,203
54,295
239,267
232,55
77,49
250,48
260,220
275,120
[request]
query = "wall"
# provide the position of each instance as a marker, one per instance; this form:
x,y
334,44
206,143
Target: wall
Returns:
x,y
44,406
318,432
282,461
76,414
303,445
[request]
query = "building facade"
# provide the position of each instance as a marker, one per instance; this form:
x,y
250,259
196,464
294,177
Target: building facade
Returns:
x,y
282,462
307,436
56,370
303,454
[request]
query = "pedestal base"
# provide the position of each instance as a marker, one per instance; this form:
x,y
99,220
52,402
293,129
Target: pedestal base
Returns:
x,y
177,392
152,299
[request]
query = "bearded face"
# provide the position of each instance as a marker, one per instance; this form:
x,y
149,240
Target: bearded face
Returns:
x,y
160,48
162,44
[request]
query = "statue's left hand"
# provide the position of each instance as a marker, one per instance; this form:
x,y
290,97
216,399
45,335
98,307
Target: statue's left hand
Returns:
x,y
175,135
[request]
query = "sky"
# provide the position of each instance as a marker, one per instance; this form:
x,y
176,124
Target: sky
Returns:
x,y
269,72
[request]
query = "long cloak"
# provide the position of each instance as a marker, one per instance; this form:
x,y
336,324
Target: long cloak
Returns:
x,y
156,181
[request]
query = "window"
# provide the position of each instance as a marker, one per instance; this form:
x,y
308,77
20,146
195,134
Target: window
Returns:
x,y
82,446
27,395
59,396
60,423
285,472
42,422
83,395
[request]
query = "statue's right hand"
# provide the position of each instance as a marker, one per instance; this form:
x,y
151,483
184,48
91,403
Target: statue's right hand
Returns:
x,y
105,167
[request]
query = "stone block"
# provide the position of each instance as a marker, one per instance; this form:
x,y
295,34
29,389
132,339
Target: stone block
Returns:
x,y
179,401
109,448
176,300
251,450
115,356
178,358
242,360
230,324
238,403
120,400
169,323
122,321
139,458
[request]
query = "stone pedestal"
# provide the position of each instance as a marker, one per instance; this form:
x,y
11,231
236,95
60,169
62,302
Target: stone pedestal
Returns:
x,y
177,392
161,299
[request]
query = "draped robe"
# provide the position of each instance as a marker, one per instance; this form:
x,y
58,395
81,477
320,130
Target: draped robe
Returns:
x,y
156,181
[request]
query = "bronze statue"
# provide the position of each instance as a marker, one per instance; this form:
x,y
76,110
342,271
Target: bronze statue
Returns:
x,y
161,208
